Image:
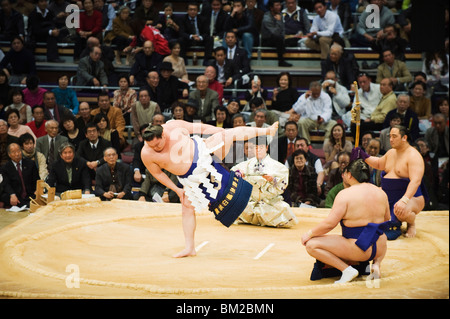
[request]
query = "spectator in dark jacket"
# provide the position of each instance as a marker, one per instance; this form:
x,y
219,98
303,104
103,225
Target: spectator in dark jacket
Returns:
x,y
343,64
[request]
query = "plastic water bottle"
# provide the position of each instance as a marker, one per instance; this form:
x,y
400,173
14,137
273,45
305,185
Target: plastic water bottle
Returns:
x,y
194,59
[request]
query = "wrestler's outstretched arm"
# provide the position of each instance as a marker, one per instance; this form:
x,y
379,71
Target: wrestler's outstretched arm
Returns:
x,y
229,136
378,163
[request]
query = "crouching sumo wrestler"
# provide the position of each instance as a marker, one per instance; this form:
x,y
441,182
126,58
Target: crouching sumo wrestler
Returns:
x,y
363,212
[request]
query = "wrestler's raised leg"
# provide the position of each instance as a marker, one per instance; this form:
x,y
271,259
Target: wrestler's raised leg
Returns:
x,y
189,225
237,134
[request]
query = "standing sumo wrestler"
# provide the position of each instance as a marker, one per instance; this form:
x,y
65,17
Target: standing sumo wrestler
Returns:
x,y
206,183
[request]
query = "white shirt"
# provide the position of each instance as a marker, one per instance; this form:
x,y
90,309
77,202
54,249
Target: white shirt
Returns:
x,y
312,108
50,139
94,144
369,100
328,25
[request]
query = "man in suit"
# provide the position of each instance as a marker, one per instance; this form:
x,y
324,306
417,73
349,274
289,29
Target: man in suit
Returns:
x,y
20,176
145,61
227,72
241,22
194,31
91,70
113,180
91,149
237,55
69,172
215,17
206,98
42,28
53,111
50,143
395,70
114,114
284,146
11,22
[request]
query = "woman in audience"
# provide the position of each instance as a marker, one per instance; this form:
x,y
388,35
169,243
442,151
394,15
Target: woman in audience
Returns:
x,y
335,144
122,34
25,112
125,98
178,111
105,131
28,145
302,185
419,103
168,24
15,129
178,65
285,95
222,118
70,130
66,96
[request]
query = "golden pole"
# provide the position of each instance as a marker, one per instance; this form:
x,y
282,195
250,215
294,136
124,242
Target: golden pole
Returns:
x,y
356,114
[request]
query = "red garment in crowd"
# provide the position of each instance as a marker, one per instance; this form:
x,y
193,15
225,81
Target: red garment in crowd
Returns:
x,y
218,87
91,23
160,43
38,131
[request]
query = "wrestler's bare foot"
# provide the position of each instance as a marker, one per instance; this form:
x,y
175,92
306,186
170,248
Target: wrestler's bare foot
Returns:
x,y
273,129
411,226
410,231
187,252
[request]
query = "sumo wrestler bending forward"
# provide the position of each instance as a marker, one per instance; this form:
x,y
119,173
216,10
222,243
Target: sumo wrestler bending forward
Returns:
x,y
206,183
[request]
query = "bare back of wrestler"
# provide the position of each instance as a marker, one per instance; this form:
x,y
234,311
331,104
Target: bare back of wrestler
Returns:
x,y
174,152
354,207
403,161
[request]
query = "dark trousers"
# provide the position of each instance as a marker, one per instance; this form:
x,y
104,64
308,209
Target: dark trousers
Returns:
x,y
207,43
278,43
52,44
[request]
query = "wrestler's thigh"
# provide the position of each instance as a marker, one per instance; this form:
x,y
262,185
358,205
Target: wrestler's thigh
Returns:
x,y
341,247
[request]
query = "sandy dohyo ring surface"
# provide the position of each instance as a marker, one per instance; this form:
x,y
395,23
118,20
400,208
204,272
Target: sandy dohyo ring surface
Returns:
x,y
123,249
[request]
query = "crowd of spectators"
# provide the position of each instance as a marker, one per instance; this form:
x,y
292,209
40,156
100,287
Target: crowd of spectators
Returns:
x,y
72,144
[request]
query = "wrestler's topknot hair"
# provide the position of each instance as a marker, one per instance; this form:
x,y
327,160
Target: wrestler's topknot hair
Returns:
x,y
360,170
152,131
402,129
